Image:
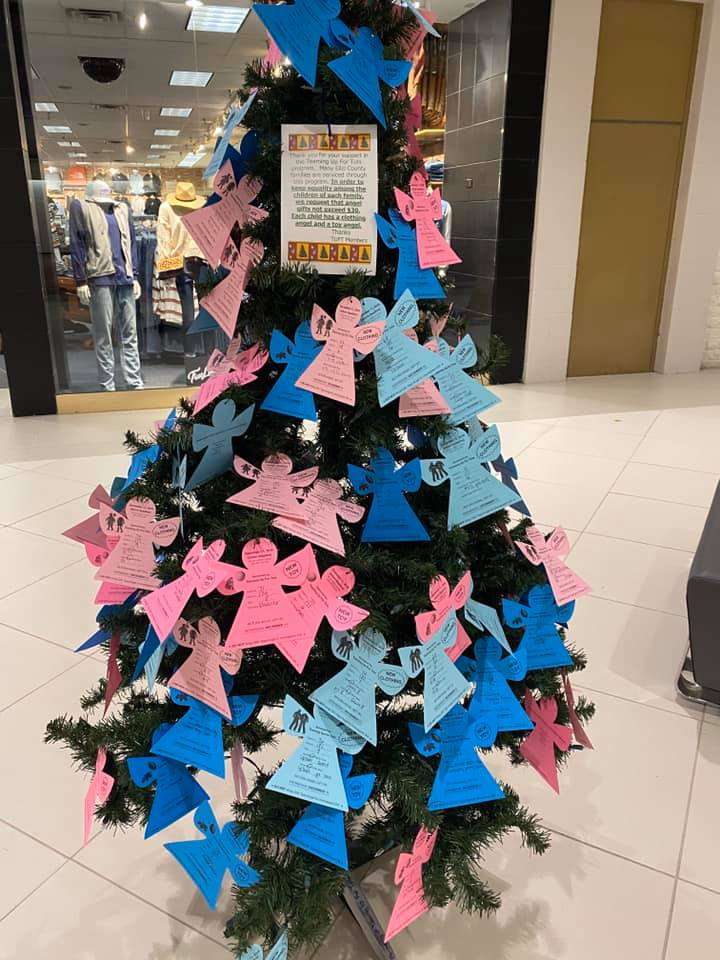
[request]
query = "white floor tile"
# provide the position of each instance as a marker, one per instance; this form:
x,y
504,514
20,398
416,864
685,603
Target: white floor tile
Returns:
x,y
712,714
555,907
28,464
695,929
51,523
667,483
46,798
92,470
553,504
632,652
517,435
569,469
634,573
27,663
59,608
27,493
592,441
633,422
624,796
24,865
687,447
7,470
702,840
79,916
674,525
27,558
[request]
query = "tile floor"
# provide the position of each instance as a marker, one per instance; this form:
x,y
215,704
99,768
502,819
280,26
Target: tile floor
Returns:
x,y
628,465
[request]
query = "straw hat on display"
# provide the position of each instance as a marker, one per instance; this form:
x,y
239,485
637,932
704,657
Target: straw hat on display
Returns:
x,y
185,197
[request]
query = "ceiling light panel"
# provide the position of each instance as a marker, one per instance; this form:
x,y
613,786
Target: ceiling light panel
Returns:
x,y
190,78
54,128
75,155
160,146
46,106
217,19
190,159
69,143
166,133
176,111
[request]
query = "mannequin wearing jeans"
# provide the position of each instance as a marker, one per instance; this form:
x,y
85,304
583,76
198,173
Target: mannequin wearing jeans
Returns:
x,y
104,258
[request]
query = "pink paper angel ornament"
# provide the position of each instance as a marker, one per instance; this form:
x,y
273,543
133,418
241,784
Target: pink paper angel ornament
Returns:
x,y
425,209
444,600
229,369
132,558
275,488
565,584
424,400
200,676
320,509
538,748
224,300
98,792
410,903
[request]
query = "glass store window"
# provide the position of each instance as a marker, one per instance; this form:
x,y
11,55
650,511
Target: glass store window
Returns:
x,y
127,101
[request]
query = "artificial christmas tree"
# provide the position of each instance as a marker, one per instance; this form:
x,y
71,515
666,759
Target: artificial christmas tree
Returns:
x,y
220,553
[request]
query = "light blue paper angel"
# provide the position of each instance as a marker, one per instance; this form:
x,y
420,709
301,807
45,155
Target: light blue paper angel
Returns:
x,y
320,830
474,492
444,684
390,518
505,468
400,362
537,616
278,951
349,696
465,395
462,779
177,792
206,861
493,700
234,120
312,772
284,397
297,29
399,235
364,66
216,441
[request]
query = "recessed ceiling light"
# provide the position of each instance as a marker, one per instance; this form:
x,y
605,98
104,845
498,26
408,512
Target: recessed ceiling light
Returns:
x,y
45,106
142,21
129,149
176,111
190,159
217,19
166,133
56,128
190,78
160,146
193,3
217,132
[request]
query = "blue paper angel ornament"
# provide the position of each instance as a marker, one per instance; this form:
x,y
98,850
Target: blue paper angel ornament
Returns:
x,y
284,397
474,493
462,779
537,616
493,700
297,29
312,772
400,362
279,950
363,67
400,236
466,396
140,461
176,790
218,157
216,441
444,684
320,830
206,861
507,469
390,518
349,696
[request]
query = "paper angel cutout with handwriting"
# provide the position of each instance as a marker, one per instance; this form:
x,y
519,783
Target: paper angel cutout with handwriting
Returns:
x,y
538,748
474,493
466,395
413,122
537,615
312,772
278,951
425,209
462,779
390,519
90,532
444,684
132,560
215,441
234,368
443,600
298,28
331,373
98,792
349,696
493,700
205,861
410,903
274,488
219,155
320,830
363,67
507,469
199,676
211,225
579,732
284,396
550,552
224,300
424,400
400,236
177,792
321,507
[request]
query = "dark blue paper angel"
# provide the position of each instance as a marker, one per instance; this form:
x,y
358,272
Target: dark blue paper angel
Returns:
x,y
176,790
399,235
216,441
363,67
493,701
284,397
390,519
299,27
537,615
320,830
462,779
240,160
206,861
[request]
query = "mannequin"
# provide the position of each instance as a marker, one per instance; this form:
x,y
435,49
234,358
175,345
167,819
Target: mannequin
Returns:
x,y
102,246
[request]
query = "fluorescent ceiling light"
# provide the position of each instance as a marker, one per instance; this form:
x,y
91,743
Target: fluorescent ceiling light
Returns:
x,y
217,19
151,164
74,155
69,143
160,146
190,159
176,111
153,156
46,107
56,128
166,133
190,78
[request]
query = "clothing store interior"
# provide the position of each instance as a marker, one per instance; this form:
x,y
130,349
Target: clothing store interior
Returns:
x,y
128,101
